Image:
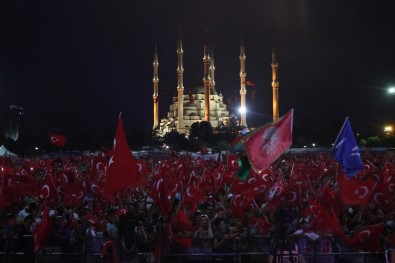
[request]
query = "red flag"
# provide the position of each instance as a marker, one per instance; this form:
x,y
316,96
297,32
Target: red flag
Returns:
x,y
367,238
250,83
262,225
48,190
122,168
73,194
269,142
181,219
43,233
57,140
357,192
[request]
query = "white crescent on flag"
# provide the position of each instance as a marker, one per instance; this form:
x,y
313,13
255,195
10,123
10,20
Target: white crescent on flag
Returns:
x,y
79,196
365,234
362,194
237,200
377,197
45,191
260,189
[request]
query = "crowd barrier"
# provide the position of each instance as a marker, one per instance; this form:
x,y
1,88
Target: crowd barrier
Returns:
x,y
251,250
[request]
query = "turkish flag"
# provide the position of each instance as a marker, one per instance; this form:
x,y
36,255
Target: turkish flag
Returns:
x,y
269,142
73,194
122,170
262,225
250,83
367,238
355,191
182,220
48,190
43,233
57,140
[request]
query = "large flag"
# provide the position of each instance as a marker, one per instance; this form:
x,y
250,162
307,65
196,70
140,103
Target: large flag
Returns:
x,y
122,167
265,145
345,150
56,139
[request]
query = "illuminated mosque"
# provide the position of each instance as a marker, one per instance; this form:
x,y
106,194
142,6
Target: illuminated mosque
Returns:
x,y
205,104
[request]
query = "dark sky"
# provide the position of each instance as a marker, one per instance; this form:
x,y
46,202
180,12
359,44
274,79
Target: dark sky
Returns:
x,y
74,65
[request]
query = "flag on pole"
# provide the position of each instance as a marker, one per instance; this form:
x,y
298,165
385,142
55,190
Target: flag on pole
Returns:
x,y
266,144
244,167
122,167
250,83
56,139
345,150
43,232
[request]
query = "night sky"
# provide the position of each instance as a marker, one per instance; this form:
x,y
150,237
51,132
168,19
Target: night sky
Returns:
x,y
74,65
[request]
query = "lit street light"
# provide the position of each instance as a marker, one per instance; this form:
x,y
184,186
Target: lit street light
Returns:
x,y
391,91
388,130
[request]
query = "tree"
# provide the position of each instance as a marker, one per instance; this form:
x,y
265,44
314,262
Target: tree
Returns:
x,y
221,145
201,130
176,140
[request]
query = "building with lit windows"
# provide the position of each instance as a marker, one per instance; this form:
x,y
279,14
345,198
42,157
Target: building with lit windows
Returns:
x,y
13,122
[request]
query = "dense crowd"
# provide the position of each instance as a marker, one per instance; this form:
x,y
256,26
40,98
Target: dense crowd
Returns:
x,y
196,205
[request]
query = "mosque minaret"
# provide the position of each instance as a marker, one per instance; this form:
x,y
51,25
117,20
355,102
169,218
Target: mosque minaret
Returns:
x,y
212,71
180,87
207,82
275,85
204,102
155,82
243,91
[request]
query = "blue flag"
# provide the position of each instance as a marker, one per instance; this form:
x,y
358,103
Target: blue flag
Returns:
x,y
345,151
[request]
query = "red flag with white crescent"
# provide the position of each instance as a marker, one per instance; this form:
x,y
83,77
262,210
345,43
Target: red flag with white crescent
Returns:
x,y
122,170
56,139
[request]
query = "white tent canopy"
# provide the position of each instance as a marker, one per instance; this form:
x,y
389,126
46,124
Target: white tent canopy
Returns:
x,y
5,152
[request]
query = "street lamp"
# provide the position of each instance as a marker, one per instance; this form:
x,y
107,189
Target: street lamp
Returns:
x,y
391,91
388,129
242,110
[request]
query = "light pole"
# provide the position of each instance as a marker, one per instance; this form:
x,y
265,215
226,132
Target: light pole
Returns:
x,y
242,111
388,130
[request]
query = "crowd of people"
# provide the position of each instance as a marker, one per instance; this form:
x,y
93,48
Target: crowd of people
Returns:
x,y
198,207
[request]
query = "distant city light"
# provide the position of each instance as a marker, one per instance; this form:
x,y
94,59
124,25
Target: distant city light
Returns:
x,y
36,148
313,144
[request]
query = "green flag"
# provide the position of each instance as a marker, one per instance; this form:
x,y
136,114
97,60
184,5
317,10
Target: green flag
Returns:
x,y
244,167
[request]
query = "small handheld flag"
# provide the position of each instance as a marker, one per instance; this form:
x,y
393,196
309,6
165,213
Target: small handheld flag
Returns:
x,y
345,150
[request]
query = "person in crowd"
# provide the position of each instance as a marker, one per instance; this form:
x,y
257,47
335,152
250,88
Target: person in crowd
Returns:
x,y
94,237
10,235
60,235
129,239
223,240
